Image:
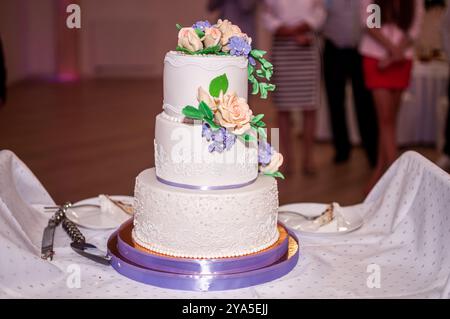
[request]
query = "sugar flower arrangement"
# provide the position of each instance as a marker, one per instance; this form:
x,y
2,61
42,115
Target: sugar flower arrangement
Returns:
x,y
225,38
227,117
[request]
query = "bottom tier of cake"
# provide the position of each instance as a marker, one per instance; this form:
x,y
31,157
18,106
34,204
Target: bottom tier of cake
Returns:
x,y
205,224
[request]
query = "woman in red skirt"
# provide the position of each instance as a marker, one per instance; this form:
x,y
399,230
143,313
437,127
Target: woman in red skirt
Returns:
x,y
388,54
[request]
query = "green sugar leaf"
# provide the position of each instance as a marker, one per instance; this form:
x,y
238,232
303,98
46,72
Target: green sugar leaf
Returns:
x,y
265,88
218,84
206,110
266,64
257,54
269,74
261,73
192,113
255,88
250,70
271,87
257,118
279,175
255,84
179,26
260,124
184,50
211,50
275,175
200,33
247,137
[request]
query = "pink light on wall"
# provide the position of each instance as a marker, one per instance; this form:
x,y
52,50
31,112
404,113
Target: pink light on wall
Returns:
x,y
67,44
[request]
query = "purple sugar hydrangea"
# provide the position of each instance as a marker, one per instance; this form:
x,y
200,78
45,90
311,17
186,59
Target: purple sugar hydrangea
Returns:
x,y
216,147
265,151
201,25
239,46
206,132
229,141
220,140
219,135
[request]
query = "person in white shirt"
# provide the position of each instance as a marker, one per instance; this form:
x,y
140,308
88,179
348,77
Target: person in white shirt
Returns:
x,y
297,60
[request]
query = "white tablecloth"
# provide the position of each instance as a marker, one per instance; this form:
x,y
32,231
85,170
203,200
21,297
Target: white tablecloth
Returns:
x,y
406,236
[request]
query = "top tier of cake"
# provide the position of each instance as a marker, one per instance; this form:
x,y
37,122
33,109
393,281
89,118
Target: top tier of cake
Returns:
x,y
184,74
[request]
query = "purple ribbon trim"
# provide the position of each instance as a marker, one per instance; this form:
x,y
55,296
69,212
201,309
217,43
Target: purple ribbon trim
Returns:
x,y
211,282
204,188
196,266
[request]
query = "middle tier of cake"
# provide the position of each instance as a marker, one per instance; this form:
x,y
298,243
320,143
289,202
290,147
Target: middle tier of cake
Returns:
x,y
184,158
205,224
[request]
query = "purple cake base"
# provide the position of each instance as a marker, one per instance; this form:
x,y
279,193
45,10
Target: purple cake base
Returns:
x,y
199,282
196,266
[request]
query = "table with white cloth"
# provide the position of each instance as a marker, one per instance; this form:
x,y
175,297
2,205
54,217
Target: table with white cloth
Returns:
x,y
405,237
422,115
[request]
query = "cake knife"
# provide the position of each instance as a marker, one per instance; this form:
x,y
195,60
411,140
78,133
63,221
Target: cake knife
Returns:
x,y
78,244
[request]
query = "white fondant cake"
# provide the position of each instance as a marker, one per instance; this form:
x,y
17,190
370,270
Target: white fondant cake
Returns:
x,y
184,74
205,198
182,157
205,224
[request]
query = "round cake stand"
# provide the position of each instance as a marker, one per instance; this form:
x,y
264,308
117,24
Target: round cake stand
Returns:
x,y
155,261
203,282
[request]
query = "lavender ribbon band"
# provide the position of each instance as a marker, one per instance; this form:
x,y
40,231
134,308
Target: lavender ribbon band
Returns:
x,y
204,188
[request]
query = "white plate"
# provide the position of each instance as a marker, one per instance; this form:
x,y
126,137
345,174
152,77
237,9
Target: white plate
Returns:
x,y
93,218
295,221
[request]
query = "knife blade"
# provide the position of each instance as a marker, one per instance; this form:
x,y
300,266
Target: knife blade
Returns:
x,y
80,246
92,252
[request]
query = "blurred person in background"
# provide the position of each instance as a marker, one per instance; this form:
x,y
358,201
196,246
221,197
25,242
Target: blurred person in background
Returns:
x,y
239,12
444,160
342,61
297,59
2,76
387,61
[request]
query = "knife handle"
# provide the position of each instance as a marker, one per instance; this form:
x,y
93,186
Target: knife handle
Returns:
x,y
73,231
57,218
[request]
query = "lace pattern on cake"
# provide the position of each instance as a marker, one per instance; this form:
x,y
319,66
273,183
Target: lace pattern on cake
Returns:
x,y
187,224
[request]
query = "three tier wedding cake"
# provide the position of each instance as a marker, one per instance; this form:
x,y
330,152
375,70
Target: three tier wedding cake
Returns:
x,y
213,192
